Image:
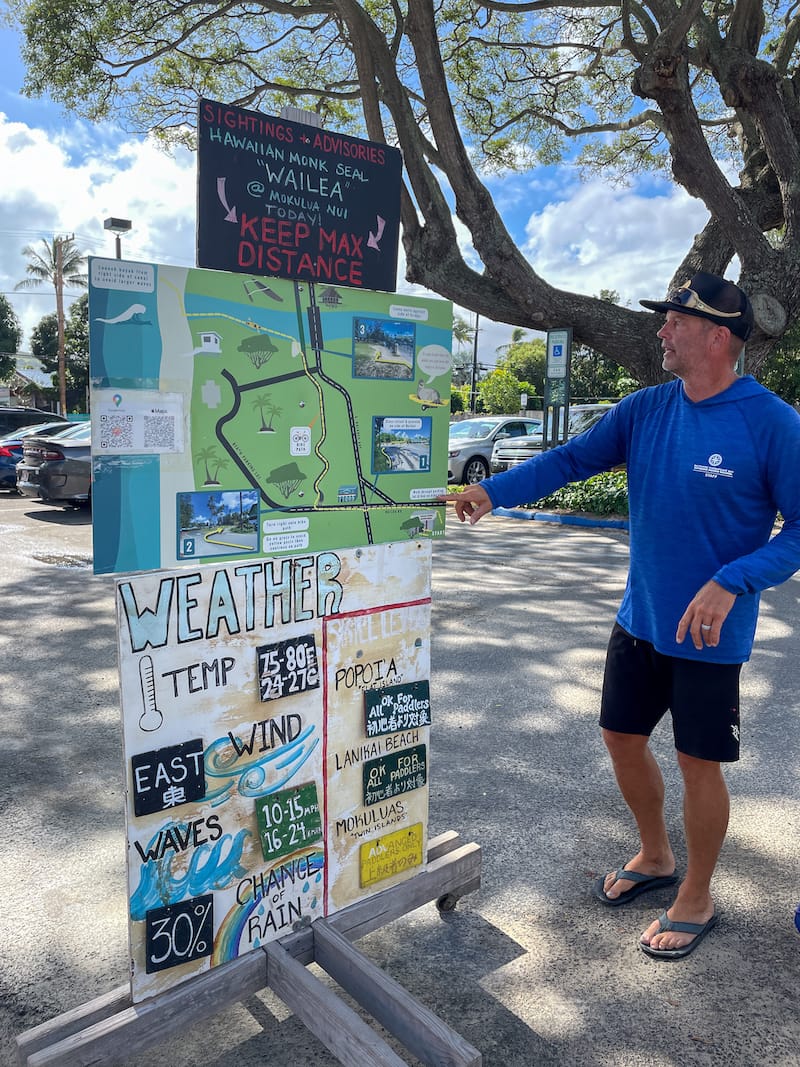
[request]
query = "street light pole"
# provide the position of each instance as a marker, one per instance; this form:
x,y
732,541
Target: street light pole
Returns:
x,y
118,227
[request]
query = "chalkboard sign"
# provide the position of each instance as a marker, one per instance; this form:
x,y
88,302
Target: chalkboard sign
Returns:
x,y
396,708
168,777
394,773
179,933
288,821
286,199
287,667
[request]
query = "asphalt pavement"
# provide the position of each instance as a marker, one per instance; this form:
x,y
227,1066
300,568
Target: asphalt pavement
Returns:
x,y
530,969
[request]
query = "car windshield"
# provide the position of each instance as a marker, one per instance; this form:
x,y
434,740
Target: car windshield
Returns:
x,y
27,431
578,421
79,430
471,428
582,420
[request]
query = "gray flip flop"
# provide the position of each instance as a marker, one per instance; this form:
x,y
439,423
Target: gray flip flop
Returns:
x,y
644,883
665,923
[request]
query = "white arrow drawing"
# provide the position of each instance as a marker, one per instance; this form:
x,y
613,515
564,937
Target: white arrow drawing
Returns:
x,y
231,216
374,238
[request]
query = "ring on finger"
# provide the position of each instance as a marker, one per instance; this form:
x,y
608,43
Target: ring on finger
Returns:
x,y
705,626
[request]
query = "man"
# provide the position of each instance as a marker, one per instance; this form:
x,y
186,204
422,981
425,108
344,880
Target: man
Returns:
x,y
711,459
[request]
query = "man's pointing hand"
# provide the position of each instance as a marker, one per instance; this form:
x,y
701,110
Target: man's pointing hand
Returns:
x,y
472,504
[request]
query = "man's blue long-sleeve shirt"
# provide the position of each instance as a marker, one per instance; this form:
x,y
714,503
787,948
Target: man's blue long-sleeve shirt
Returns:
x,y
705,481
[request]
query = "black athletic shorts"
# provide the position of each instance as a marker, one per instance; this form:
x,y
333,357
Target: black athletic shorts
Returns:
x,y
641,685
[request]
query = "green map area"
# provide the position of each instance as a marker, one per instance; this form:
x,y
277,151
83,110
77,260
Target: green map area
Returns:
x,y
319,415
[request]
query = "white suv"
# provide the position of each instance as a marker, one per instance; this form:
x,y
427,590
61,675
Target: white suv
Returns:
x,y
508,453
472,440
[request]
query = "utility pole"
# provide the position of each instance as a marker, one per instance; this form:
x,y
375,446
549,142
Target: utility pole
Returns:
x,y
474,378
59,287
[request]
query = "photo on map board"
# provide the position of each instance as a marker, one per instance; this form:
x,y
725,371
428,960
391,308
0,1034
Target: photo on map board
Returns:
x,y
400,445
217,523
383,348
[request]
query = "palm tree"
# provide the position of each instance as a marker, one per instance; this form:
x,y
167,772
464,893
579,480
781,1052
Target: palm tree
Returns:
x,y
60,263
273,410
260,403
205,456
518,335
219,465
463,336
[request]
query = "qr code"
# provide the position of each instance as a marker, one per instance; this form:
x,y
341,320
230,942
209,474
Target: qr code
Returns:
x,y
159,432
116,431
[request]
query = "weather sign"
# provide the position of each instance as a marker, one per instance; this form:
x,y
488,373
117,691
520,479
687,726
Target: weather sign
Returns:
x,y
289,200
258,794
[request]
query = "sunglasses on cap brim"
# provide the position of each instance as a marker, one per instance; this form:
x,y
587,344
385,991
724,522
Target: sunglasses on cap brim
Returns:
x,y
688,298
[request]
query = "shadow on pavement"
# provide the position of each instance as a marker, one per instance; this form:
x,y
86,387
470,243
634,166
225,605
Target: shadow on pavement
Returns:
x,y
530,969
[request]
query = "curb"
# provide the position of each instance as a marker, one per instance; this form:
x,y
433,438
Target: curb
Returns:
x,y
565,520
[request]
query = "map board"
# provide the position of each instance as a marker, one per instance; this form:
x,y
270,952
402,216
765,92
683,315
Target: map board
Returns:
x,y
290,200
234,416
268,781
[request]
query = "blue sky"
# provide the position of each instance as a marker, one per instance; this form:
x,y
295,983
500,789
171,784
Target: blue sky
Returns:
x,y
60,175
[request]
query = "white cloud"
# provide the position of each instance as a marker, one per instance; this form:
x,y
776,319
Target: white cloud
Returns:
x,y
66,184
598,236
588,236
580,237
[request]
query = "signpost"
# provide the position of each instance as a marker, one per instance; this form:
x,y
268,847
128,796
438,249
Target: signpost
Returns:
x,y
556,387
281,444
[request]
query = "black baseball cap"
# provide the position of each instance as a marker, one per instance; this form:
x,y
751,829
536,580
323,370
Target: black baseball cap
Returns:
x,y
710,297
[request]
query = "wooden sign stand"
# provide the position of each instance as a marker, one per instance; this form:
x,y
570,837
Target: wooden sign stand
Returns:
x,y
110,1029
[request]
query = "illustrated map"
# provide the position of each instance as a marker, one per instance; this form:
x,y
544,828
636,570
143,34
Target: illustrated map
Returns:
x,y
236,415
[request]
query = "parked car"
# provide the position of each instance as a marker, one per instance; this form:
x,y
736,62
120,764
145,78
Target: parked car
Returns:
x,y
58,469
472,440
13,418
11,448
510,453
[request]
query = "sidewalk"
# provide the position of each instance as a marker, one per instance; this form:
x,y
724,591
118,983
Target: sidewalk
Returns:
x,y
530,969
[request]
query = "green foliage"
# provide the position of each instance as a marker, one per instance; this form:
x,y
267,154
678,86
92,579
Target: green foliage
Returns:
x,y
499,393
44,345
456,400
527,361
44,340
604,494
10,337
76,331
781,371
594,377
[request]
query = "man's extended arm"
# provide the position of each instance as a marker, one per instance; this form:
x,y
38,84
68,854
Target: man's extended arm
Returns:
x,y
598,449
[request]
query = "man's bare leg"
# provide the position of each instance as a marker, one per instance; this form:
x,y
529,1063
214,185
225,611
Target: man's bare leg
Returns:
x,y
706,809
642,787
